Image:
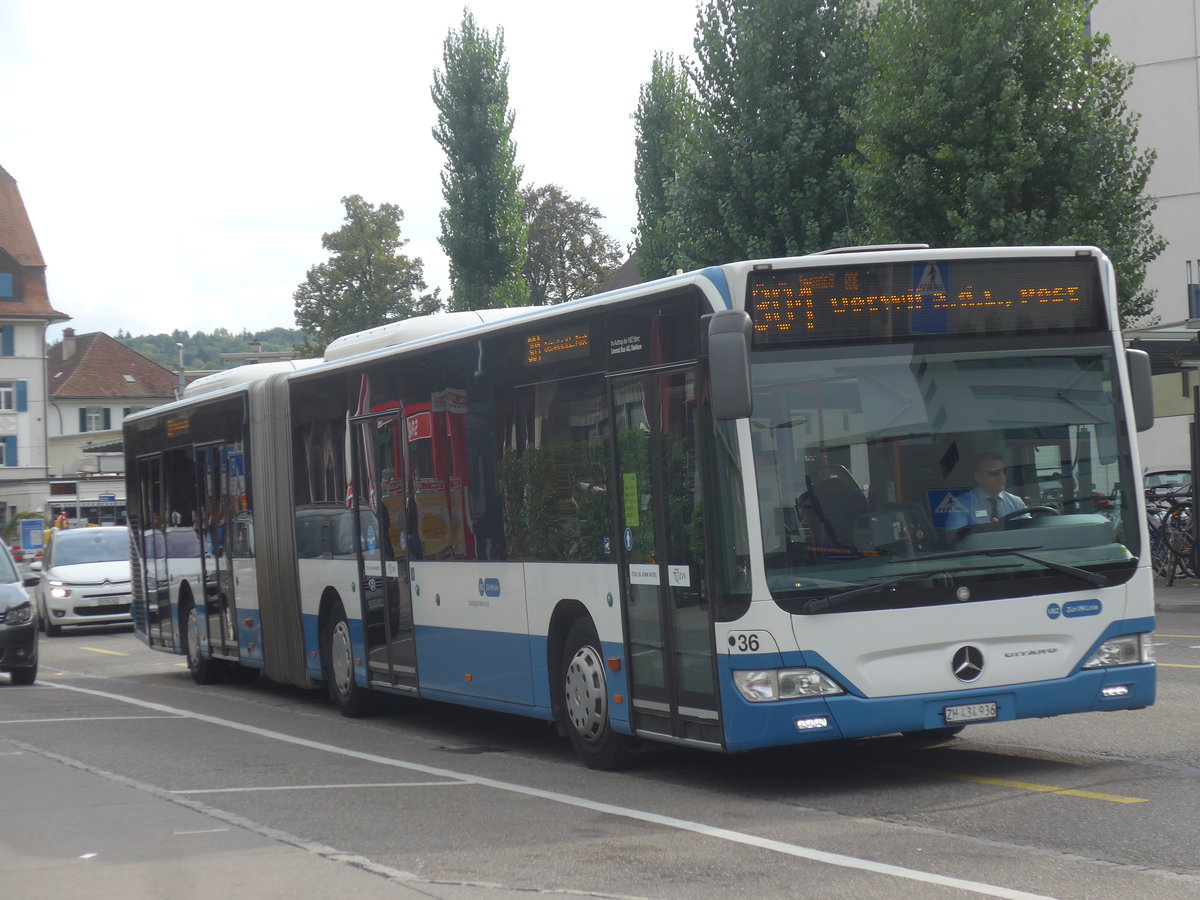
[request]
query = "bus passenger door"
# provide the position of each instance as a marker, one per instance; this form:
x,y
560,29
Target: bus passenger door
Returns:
x,y
667,611
216,524
155,616
379,505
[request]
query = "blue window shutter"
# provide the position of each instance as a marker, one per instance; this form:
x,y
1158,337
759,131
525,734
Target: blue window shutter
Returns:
x,y
22,397
10,451
107,418
6,341
6,284
82,420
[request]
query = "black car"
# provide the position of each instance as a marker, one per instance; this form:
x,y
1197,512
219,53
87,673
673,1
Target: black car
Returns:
x,y
18,623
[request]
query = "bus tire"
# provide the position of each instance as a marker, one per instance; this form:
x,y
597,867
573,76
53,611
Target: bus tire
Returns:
x,y
204,671
352,699
583,690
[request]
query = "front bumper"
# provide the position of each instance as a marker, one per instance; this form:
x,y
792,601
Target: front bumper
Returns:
x,y
88,606
18,646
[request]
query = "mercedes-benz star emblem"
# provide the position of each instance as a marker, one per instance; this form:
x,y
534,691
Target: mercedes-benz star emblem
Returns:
x,y
968,663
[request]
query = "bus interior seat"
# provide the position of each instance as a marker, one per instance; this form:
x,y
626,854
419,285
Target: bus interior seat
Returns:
x,y
832,504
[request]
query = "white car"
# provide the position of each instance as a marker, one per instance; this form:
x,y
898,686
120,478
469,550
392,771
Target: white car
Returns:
x,y
84,579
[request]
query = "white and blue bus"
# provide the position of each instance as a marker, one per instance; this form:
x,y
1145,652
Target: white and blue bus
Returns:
x,y
729,509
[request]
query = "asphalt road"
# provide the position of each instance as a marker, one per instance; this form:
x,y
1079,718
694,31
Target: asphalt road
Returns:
x,y
121,777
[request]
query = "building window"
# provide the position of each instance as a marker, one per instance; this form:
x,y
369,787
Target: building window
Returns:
x,y
13,396
8,451
6,284
95,418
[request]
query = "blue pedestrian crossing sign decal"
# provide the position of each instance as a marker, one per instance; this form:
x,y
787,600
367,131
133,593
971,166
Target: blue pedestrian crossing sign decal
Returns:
x,y
950,509
931,314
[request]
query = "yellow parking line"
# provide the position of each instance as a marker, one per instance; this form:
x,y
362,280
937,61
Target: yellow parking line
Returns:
x,y
1190,637
1177,666
1026,786
109,652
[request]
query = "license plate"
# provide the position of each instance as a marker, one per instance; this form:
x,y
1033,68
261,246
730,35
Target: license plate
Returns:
x,y
971,712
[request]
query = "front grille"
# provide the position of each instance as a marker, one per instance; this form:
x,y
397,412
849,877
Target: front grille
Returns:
x,y
112,609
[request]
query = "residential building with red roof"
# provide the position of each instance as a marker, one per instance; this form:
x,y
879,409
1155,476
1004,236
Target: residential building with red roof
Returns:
x,y
94,381
60,409
25,313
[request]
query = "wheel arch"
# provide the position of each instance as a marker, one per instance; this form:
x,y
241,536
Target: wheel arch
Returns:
x,y
566,613
331,599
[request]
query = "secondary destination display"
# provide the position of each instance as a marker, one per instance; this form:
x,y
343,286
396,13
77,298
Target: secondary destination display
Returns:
x,y
893,301
556,346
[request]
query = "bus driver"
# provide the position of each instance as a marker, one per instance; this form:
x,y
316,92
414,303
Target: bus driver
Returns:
x,y
989,502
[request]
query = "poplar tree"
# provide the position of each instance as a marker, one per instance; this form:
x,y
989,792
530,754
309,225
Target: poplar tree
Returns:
x,y
665,113
1009,126
762,169
483,233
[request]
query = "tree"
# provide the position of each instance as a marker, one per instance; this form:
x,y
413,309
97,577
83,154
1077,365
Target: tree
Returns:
x,y
1008,127
366,282
569,256
761,172
665,113
482,230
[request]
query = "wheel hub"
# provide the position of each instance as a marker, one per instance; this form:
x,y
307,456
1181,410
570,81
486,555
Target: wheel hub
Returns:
x,y
587,694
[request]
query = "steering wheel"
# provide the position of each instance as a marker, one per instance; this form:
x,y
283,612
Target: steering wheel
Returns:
x,y
1035,511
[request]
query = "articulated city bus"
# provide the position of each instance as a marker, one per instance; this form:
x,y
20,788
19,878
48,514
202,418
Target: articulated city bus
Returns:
x,y
737,508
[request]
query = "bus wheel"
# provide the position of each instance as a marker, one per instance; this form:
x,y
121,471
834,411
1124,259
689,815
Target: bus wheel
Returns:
x,y
204,671
353,700
584,695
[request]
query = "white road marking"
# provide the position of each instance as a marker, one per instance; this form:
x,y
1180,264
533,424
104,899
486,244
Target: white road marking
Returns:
x,y
725,834
83,719
323,787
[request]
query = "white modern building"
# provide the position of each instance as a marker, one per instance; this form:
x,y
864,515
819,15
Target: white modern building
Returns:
x,y
1162,39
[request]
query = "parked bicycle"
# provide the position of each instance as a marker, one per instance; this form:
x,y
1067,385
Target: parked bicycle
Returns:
x,y
1169,516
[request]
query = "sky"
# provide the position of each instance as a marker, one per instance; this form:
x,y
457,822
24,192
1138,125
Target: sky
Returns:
x,y
180,161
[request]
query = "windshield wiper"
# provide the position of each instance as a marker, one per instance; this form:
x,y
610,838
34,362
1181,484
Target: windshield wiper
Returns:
x,y
817,604
1092,578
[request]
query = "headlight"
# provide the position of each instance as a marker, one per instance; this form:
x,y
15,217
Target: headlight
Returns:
x,y
21,614
58,591
1123,650
765,685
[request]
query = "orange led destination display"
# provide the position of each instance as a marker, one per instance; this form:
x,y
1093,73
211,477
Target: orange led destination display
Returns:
x,y
554,346
894,301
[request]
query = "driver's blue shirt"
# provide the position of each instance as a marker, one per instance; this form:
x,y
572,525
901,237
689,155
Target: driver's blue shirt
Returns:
x,y
983,509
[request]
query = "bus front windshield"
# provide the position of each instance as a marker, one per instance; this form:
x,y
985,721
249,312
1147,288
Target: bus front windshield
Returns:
x,y
893,476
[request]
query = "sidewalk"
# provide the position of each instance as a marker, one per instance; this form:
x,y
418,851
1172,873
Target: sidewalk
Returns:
x,y
1182,596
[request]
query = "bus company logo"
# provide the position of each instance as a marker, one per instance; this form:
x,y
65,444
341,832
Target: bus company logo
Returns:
x,y
967,664
372,585
489,587
1078,608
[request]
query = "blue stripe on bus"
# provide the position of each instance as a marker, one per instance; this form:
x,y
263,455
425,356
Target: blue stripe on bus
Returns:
x,y
753,725
716,275
446,655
